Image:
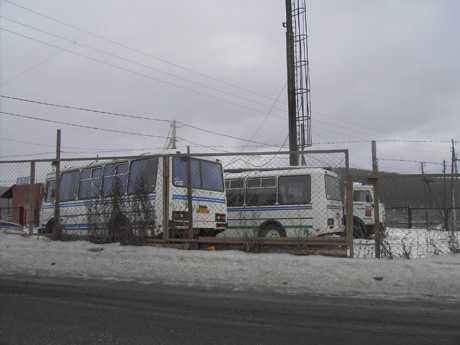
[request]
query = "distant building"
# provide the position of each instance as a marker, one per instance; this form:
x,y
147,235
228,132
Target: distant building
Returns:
x,y
15,203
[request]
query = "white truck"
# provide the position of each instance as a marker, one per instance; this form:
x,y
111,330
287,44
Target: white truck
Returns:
x,y
363,211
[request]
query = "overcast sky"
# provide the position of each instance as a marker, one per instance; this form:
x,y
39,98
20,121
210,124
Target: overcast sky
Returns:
x,y
386,70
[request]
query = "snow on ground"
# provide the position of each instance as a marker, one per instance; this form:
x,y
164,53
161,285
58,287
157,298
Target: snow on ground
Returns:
x,y
434,277
409,243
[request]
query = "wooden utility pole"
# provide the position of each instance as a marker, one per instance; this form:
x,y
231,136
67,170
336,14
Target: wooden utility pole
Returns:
x,y
57,162
375,183
454,171
32,198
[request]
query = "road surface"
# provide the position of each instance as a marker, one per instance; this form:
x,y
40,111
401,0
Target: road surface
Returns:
x,y
43,310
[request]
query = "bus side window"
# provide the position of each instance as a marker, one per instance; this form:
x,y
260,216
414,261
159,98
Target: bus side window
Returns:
x,y
332,185
90,183
68,187
235,192
143,176
261,191
85,184
294,189
115,176
50,190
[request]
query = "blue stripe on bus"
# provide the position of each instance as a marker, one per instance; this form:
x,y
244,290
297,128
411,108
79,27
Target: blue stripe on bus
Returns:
x,y
270,208
64,204
198,198
334,207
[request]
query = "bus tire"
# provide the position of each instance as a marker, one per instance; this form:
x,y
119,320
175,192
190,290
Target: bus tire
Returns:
x,y
120,229
272,230
49,226
358,229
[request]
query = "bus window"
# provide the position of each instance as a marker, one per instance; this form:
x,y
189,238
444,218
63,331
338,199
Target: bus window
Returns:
x,y
115,176
90,183
332,188
68,187
235,192
261,191
211,176
50,190
180,172
85,184
96,182
205,174
294,189
143,176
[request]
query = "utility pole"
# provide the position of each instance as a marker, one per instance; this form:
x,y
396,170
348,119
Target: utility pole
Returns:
x,y
446,214
375,183
172,140
292,124
454,171
57,231
298,81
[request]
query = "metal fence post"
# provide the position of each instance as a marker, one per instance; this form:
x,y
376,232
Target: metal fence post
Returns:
x,y
375,183
189,198
32,198
349,212
57,230
409,216
166,198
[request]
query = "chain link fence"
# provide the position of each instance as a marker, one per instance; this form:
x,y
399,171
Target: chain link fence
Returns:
x,y
427,225
250,199
178,197
268,199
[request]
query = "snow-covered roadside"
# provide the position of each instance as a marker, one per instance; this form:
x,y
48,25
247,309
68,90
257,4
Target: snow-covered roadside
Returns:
x,y
435,277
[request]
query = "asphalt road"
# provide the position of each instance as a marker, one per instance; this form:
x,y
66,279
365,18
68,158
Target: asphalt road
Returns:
x,y
42,310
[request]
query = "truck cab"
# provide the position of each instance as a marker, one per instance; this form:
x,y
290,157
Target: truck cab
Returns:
x,y
363,211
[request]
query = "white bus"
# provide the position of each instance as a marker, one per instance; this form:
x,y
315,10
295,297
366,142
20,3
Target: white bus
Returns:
x,y
285,202
133,192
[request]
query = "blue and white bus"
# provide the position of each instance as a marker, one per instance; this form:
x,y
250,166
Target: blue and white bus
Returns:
x,y
145,192
285,202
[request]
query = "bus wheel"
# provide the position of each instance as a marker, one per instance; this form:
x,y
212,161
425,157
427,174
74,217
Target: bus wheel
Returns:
x,y
50,226
272,230
358,229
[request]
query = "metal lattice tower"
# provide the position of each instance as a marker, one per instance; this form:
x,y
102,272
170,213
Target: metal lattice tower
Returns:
x,y
299,97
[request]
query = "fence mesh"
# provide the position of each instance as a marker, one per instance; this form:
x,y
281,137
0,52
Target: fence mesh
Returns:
x,y
257,195
419,218
267,198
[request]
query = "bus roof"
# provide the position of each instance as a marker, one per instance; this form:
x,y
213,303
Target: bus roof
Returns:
x,y
240,173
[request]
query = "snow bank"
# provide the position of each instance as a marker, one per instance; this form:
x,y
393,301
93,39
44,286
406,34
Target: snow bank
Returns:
x,y
436,277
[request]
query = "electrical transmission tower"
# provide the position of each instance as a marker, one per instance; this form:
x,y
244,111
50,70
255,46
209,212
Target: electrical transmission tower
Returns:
x,y
299,97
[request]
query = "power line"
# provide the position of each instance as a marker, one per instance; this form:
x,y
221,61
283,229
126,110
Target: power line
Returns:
x,y
129,116
221,134
143,75
30,154
139,52
164,61
140,64
85,109
407,161
81,126
265,119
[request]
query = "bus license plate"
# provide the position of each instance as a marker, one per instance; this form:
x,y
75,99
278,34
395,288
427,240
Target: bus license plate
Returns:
x,y
200,210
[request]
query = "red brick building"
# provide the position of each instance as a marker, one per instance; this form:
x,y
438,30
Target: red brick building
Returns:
x,y
20,207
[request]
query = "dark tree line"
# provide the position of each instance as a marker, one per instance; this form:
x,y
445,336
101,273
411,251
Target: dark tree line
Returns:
x,y
414,192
